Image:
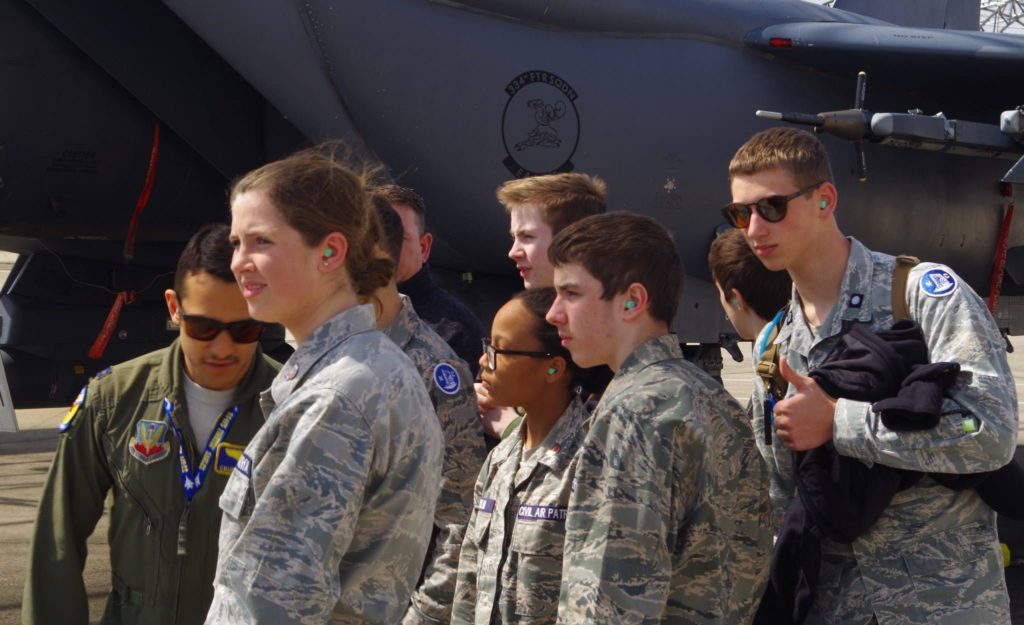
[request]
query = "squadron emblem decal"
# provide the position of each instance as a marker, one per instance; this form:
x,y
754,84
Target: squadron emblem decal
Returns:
x,y
540,126
150,444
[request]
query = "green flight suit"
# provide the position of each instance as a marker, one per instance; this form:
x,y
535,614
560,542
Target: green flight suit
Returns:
x,y
152,584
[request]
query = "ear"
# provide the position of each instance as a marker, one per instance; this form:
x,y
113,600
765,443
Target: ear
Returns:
x,y
173,309
736,299
558,364
636,293
332,252
426,242
828,194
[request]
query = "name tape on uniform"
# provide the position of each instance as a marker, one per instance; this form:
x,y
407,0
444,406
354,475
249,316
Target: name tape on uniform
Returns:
x,y
542,513
244,465
228,455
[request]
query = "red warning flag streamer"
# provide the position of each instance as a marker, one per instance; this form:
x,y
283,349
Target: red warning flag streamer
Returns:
x,y
103,338
1000,260
147,190
99,346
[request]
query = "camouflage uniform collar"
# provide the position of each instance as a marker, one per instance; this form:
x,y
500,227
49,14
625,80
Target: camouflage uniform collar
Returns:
x,y
510,447
403,327
665,347
563,436
853,304
320,343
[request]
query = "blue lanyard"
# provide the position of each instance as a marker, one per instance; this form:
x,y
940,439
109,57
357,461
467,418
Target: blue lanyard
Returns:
x,y
191,481
763,343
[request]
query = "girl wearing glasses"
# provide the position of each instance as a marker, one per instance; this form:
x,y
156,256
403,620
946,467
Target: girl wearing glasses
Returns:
x,y
510,568
329,512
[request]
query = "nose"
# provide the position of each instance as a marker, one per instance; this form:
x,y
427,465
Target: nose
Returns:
x,y
482,361
239,259
556,315
222,345
515,251
757,227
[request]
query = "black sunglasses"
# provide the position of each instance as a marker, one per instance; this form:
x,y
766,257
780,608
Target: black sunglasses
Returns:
x,y
206,329
492,353
771,209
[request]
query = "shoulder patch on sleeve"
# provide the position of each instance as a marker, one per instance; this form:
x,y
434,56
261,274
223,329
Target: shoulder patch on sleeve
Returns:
x,y
938,283
104,373
447,379
70,416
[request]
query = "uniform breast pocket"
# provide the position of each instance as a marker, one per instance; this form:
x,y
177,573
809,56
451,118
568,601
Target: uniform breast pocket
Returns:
x,y
238,499
478,532
538,542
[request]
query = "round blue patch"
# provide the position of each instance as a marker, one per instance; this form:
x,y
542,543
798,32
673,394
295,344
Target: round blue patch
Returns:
x,y
447,379
938,283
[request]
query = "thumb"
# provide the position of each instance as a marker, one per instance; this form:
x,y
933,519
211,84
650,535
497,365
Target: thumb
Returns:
x,y
794,378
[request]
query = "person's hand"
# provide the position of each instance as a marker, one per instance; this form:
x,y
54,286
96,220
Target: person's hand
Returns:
x,y
804,419
495,419
483,400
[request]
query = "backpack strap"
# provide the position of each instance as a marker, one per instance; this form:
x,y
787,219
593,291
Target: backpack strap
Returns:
x,y
900,273
768,370
775,386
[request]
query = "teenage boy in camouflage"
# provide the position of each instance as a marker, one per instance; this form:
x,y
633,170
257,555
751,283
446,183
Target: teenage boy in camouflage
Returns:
x,y
933,555
539,207
668,520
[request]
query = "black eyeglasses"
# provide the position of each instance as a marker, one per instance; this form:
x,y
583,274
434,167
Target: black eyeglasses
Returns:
x,y
492,353
771,209
206,329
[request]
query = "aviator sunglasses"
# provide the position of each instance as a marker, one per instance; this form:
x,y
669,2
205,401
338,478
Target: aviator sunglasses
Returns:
x,y
206,329
492,353
771,209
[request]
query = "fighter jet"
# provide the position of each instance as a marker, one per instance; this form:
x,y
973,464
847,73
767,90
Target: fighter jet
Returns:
x,y
122,124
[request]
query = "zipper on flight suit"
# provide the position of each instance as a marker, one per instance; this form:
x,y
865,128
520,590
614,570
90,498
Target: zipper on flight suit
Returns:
x,y
147,531
190,453
138,502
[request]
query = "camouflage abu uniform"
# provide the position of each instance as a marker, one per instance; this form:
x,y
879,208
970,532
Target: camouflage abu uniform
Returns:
x,y
511,564
118,412
669,518
327,518
933,555
449,384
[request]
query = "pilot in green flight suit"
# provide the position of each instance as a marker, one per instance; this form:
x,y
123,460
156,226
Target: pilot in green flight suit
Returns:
x,y
163,431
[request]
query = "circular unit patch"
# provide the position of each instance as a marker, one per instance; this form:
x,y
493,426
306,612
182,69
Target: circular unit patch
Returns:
x,y
447,379
938,283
